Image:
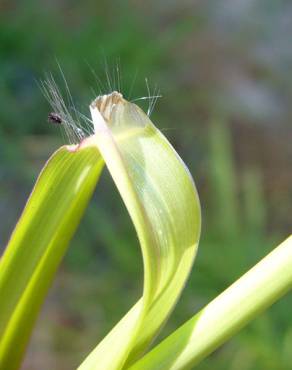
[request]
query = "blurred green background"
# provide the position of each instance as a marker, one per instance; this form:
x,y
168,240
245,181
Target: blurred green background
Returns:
x,y
224,70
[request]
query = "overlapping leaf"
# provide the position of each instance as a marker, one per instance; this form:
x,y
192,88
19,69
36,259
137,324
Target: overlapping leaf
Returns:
x,y
162,201
245,299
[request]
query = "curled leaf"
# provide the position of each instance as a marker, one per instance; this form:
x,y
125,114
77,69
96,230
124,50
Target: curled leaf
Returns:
x,y
162,201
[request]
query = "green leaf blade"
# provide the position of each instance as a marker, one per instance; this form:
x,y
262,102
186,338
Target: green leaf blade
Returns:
x,y
39,242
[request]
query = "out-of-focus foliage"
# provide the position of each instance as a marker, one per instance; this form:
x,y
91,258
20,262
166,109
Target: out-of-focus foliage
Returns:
x,y
223,69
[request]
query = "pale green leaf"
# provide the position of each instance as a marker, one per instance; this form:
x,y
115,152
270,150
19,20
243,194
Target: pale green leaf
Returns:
x,y
162,201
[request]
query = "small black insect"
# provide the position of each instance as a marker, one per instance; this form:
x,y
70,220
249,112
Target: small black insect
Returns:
x,y
55,118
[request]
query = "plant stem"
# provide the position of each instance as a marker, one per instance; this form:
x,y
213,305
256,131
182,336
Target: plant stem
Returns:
x,y
259,288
